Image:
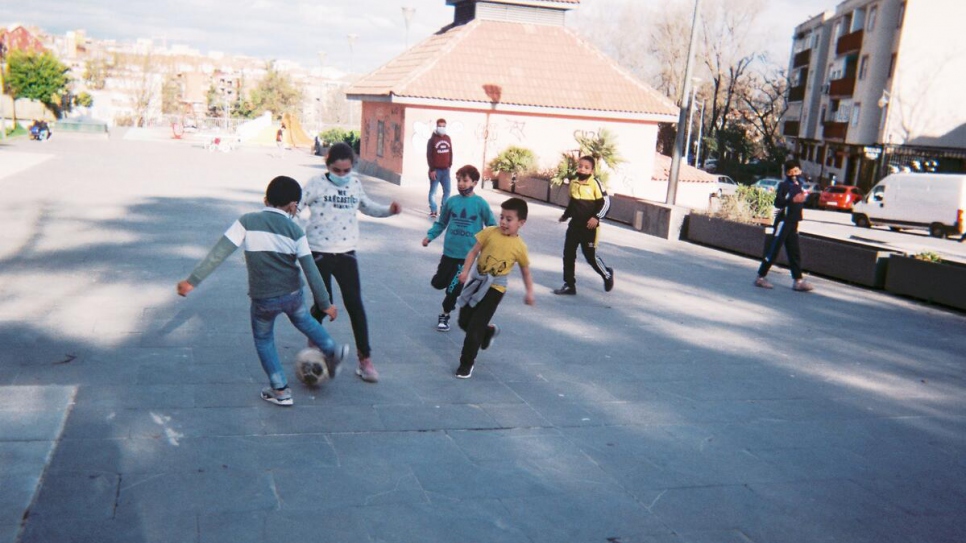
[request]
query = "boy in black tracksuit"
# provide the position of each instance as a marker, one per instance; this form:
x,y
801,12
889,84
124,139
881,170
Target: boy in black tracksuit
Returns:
x,y
790,200
588,204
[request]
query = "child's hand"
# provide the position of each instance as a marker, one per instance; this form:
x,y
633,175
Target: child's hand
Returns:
x,y
395,208
425,242
184,287
529,299
592,223
800,197
332,312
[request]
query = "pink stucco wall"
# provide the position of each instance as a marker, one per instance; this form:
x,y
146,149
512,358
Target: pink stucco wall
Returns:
x,y
547,136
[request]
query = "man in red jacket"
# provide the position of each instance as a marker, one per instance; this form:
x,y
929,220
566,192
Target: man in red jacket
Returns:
x,y
439,156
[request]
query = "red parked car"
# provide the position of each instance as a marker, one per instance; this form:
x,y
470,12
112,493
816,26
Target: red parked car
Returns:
x,y
839,197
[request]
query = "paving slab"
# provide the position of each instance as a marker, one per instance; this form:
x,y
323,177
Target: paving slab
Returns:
x,y
685,406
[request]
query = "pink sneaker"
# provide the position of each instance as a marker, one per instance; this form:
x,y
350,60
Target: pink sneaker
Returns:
x,y
366,371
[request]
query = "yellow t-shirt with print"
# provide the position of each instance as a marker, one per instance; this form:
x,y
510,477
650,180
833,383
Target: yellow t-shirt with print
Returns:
x,y
499,253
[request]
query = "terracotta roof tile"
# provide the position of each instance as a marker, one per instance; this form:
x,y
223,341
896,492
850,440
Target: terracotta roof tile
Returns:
x,y
530,64
687,173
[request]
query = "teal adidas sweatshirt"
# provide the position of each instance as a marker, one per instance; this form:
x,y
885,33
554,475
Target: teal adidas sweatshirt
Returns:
x,y
462,217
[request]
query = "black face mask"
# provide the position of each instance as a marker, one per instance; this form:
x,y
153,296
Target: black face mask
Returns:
x,y
583,176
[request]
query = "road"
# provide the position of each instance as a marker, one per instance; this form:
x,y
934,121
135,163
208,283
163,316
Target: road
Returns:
x,y
839,224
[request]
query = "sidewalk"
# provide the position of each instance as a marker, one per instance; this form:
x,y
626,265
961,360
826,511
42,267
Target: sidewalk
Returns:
x,y
685,406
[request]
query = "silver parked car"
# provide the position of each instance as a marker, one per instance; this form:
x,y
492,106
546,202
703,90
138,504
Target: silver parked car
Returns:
x,y
768,183
726,186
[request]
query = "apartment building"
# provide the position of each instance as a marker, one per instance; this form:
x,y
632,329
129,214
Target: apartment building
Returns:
x,y
877,86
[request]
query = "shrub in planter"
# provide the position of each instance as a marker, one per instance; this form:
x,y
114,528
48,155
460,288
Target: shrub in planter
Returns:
x,y
513,161
748,205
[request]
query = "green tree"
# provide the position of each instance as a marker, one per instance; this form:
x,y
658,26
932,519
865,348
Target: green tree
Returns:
x,y
38,76
275,93
84,100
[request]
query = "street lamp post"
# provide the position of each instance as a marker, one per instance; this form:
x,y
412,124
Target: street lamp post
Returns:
x,y
408,12
687,147
3,114
352,40
672,183
697,152
322,56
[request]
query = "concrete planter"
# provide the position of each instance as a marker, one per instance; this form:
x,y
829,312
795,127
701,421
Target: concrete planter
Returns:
x,y
560,194
940,283
736,237
858,263
537,188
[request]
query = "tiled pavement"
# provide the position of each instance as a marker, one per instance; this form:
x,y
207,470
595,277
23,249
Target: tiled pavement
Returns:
x,y
685,406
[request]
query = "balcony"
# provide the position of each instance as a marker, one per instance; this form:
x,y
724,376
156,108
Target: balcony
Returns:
x,y
849,43
802,58
834,131
791,128
842,87
796,94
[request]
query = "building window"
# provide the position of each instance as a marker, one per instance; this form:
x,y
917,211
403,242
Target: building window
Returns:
x,y
873,14
380,138
855,114
902,14
892,65
863,67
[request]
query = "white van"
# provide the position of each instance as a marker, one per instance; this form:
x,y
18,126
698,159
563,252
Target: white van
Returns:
x,y
933,201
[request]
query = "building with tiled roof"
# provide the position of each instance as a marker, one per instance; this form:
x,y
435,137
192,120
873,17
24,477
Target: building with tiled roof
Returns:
x,y
19,38
507,73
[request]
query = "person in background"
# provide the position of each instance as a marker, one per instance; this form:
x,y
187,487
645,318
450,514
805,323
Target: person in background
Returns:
x,y
439,156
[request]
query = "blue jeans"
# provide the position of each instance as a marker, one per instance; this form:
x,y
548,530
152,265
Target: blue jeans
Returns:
x,y
264,312
442,178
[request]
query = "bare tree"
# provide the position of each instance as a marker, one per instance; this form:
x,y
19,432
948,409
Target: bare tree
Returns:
x,y
764,104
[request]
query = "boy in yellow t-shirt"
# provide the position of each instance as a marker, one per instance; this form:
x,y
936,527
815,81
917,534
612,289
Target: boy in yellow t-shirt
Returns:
x,y
498,248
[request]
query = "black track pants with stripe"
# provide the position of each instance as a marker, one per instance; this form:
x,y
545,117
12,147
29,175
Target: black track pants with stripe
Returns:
x,y
786,235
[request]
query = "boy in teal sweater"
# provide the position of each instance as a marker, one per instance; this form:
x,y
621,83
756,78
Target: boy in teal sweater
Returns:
x,y
462,216
275,247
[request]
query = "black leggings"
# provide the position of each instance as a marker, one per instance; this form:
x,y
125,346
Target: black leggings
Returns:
x,y
345,268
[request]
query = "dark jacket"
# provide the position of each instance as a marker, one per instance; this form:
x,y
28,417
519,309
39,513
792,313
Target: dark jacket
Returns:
x,y
787,209
439,152
587,199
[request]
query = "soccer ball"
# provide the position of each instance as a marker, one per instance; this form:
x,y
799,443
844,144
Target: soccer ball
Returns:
x,y
310,367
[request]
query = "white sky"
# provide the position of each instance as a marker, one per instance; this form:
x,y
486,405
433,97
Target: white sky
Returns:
x,y
298,29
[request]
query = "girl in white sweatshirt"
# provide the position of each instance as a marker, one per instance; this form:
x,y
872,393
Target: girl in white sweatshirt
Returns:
x,y
333,234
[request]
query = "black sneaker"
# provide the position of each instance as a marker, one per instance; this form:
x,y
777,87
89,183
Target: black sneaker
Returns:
x,y
443,324
609,283
491,332
334,363
566,290
465,371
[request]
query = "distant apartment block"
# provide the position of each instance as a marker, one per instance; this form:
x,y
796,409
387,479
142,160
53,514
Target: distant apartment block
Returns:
x,y
878,86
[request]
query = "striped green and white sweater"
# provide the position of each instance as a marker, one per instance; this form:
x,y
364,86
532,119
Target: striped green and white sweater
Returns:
x,y
274,248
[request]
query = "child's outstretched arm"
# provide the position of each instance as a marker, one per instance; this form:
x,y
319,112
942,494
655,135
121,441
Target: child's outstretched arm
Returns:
x,y
442,221
465,274
370,207
222,250
528,282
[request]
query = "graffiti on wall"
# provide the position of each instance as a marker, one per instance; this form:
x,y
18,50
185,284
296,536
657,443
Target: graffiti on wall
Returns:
x,y
422,130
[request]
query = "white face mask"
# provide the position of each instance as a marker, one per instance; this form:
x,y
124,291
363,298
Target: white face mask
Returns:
x,y
441,130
